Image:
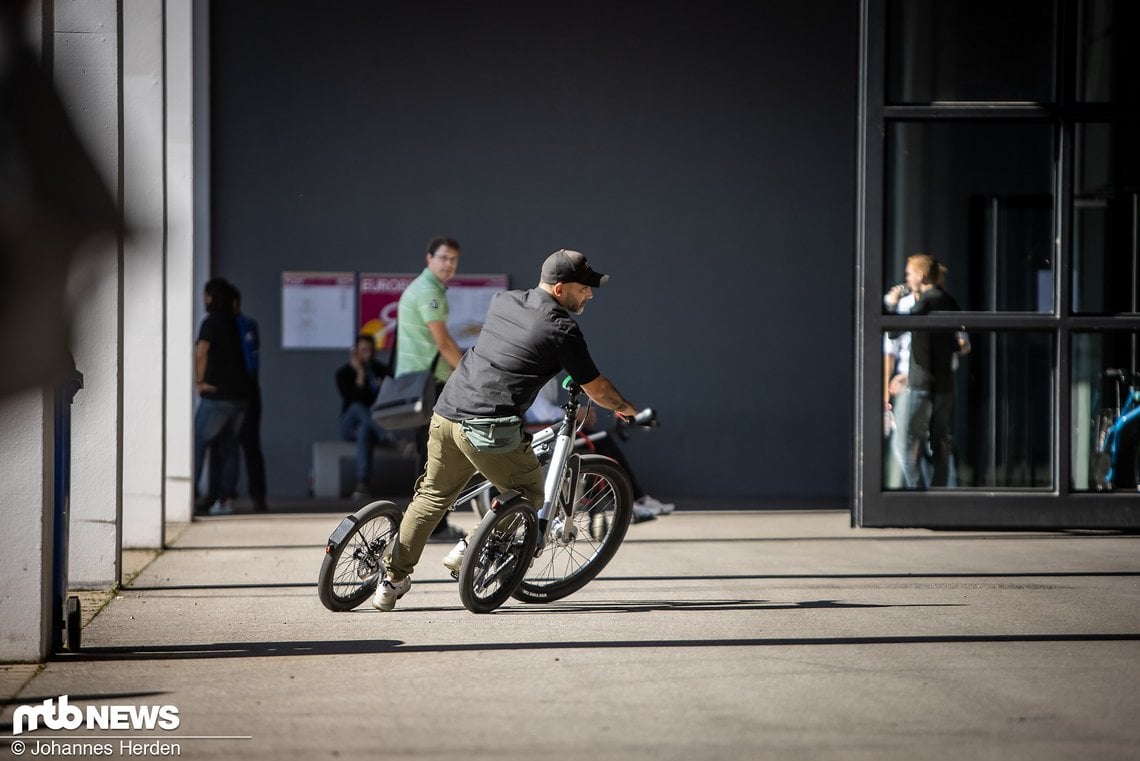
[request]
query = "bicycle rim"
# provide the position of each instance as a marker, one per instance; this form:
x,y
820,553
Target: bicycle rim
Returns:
x,y
349,575
497,556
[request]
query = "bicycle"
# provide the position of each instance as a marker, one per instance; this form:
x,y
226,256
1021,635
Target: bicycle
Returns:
x,y
586,511
1116,456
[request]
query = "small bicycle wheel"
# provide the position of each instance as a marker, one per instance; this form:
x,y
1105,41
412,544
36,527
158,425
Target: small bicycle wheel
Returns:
x,y
357,554
497,556
599,519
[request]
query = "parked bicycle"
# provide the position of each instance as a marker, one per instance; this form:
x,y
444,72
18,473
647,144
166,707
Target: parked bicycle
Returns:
x,y
1116,456
535,556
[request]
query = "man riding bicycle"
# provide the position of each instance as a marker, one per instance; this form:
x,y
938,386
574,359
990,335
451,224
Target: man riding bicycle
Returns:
x,y
527,338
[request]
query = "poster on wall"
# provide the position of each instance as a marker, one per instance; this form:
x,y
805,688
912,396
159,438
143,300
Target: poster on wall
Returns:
x,y
318,310
379,297
468,297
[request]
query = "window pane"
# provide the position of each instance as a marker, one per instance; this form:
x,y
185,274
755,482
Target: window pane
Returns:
x,y
969,50
1106,208
979,197
1109,54
1105,417
996,407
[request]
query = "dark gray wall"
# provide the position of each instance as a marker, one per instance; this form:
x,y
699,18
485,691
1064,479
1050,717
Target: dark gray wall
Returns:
x,y
701,153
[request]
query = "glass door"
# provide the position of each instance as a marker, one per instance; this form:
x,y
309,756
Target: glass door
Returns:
x,y
999,154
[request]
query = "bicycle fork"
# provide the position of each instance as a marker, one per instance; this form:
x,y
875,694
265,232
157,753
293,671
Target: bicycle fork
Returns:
x,y
565,465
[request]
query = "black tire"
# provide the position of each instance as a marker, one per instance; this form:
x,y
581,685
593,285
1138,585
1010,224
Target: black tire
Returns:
x,y
353,565
73,620
1100,458
600,520
497,556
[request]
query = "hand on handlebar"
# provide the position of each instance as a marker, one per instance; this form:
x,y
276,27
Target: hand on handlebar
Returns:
x,y
646,417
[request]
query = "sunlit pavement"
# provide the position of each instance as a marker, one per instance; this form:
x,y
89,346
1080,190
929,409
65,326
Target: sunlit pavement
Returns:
x,y
712,635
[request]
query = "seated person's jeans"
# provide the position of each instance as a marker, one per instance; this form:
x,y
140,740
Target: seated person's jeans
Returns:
x,y
356,424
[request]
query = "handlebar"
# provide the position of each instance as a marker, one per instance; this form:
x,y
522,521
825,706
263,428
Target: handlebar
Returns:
x,y
647,418
1124,376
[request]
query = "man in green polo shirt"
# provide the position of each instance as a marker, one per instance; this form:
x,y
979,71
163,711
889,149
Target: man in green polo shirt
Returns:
x,y
422,335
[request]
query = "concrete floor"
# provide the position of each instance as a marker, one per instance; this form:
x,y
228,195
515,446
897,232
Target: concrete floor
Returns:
x,y
712,635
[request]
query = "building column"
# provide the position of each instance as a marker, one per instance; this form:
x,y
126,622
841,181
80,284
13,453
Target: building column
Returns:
x,y
180,244
87,77
143,294
27,478
27,492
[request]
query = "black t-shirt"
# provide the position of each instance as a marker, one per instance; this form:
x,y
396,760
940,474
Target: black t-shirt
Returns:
x,y
366,394
526,340
225,362
932,351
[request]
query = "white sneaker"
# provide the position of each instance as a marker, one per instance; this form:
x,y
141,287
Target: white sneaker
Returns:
x,y
655,506
222,508
454,559
389,592
641,514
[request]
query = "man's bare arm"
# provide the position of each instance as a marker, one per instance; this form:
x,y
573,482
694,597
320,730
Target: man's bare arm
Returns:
x,y
448,349
603,392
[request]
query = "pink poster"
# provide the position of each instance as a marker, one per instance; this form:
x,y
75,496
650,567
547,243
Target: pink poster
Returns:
x,y
379,296
468,297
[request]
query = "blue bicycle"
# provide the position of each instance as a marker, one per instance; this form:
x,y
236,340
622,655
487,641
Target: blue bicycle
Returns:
x,y
1116,456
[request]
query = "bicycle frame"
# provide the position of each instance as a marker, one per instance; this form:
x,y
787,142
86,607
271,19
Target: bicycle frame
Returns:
x,y
554,447
1127,415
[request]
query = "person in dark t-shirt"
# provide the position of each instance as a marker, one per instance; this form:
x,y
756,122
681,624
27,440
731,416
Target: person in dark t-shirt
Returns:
x,y
527,338
224,385
249,437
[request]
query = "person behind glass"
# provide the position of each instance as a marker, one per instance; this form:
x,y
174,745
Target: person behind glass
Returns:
x,y
249,437
423,340
224,385
896,394
930,377
527,338
358,382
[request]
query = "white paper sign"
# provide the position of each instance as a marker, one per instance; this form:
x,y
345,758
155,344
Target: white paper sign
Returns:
x,y
318,310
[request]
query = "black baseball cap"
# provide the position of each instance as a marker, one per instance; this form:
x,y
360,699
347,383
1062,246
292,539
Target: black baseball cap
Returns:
x,y
564,266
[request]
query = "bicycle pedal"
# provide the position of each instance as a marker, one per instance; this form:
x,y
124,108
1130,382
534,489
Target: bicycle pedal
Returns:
x,y
455,575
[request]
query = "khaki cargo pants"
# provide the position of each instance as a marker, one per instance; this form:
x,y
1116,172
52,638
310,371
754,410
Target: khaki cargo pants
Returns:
x,y
451,461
